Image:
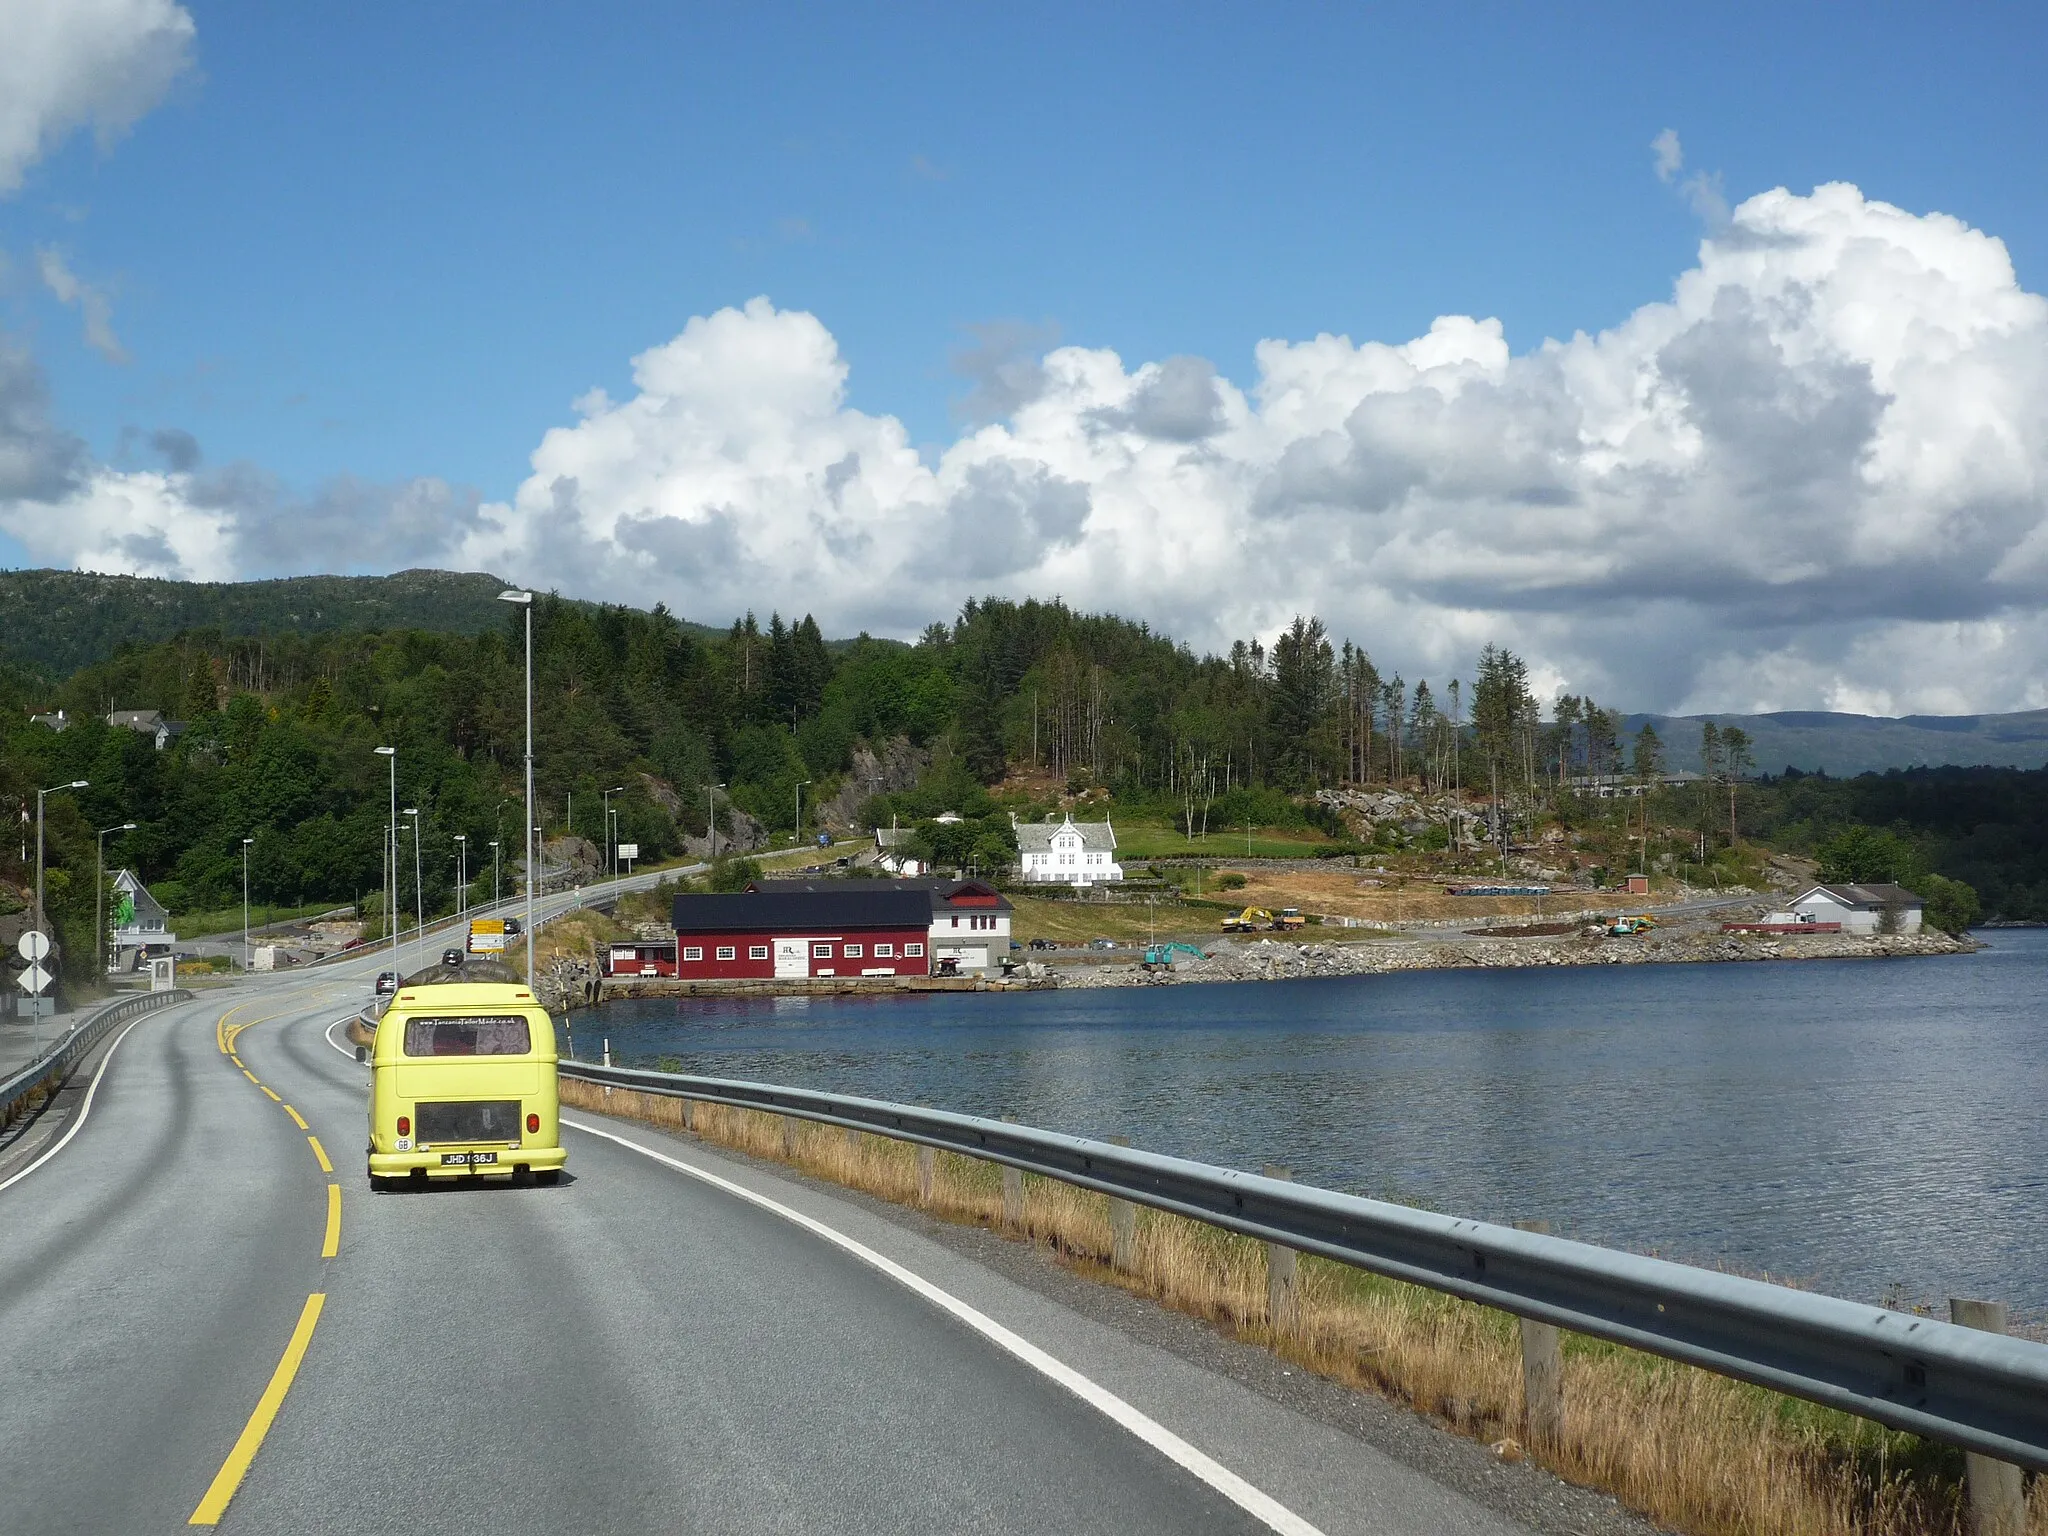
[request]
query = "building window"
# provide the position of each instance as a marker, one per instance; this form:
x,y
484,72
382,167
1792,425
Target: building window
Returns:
x,y
757,951
886,951
725,952
853,951
913,950
956,922
821,951
694,952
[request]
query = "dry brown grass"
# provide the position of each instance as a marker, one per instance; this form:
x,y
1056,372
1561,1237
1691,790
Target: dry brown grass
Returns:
x,y
1696,1452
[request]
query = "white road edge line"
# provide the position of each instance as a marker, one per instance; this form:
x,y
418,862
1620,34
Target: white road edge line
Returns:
x,y
1261,1506
83,1109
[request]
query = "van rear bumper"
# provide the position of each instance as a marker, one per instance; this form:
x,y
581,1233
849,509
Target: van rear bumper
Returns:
x,y
394,1165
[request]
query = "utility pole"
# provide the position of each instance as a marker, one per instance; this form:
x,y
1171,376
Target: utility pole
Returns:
x,y
419,889
800,811
494,872
711,816
245,903
461,874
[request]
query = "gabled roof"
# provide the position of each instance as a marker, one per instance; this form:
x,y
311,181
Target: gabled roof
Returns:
x,y
1037,836
149,912
857,904
946,895
1864,898
137,719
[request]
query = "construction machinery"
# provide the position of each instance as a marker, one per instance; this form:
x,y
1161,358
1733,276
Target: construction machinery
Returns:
x,y
1623,927
1161,955
1290,920
1250,920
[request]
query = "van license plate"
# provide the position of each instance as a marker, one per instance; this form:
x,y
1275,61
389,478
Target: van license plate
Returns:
x,y
472,1158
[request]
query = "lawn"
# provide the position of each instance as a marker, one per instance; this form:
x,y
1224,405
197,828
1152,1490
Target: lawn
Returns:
x,y
201,925
1076,922
1156,840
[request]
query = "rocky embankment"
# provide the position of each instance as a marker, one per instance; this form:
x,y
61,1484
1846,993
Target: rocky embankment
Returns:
x,y
1284,959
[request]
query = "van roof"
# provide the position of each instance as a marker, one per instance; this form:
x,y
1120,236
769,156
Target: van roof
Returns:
x,y
465,994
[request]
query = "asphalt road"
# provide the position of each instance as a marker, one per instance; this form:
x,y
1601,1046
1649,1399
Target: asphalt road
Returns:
x,y
640,1348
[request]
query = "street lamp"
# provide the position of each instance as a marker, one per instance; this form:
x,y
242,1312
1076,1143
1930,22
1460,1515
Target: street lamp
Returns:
x,y
245,902
462,874
419,888
99,895
42,918
611,857
525,600
711,816
391,866
800,811
494,873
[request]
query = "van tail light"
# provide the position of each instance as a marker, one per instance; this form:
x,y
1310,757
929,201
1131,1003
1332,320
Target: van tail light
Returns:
x,y
405,1125
533,1125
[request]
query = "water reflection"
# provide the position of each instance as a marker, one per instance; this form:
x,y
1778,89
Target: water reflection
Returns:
x,y
1866,1126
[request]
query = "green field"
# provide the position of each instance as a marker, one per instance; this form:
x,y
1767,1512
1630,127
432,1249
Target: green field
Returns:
x,y
201,925
1154,840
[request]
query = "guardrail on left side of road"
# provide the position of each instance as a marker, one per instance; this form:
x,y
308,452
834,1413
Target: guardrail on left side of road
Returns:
x,y
49,1069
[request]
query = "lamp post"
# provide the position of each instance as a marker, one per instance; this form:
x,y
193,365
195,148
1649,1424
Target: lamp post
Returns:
x,y
711,816
419,889
99,895
391,864
800,811
611,857
494,872
525,600
245,903
42,918
461,874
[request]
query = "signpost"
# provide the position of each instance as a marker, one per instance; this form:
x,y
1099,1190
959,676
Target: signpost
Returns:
x,y
35,948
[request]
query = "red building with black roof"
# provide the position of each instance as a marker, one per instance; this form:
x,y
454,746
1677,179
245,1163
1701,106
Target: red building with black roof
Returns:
x,y
866,928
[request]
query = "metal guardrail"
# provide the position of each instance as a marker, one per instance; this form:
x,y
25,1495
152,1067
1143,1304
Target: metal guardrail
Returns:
x,y
65,1054
1982,1391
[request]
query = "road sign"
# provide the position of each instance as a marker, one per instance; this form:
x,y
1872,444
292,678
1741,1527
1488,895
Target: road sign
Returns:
x,y
34,945
629,850
34,979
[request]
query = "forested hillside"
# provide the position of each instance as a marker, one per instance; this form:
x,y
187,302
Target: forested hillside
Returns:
x,y
1008,709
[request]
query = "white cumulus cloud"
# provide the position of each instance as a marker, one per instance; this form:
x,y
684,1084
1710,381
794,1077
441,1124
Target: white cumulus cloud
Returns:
x,y
72,64
1816,475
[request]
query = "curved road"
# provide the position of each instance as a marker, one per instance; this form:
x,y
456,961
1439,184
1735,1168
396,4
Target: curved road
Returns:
x,y
641,1348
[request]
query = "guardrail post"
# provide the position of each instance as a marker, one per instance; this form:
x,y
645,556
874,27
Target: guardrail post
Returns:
x,y
689,1115
1283,1275
1123,1225
1998,1495
1013,1192
927,1170
1542,1373
789,1130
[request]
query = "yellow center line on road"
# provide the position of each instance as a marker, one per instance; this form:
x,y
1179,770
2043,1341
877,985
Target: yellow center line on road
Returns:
x,y
236,1060
274,1097
251,1076
236,1467
332,1245
321,1153
297,1119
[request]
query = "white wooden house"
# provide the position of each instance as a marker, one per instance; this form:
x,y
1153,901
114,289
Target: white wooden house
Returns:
x,y
1858,908
1069,853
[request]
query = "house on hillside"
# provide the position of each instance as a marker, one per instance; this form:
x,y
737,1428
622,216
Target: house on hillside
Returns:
x,y
1069,853
970,918
1860,909
140,927
57,720
150,723
1611,786
892,852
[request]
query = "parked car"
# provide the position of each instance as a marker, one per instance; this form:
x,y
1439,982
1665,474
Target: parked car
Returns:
x,y
1102,943
1045,943
1014,945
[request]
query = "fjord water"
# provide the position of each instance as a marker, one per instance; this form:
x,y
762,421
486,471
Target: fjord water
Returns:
x,y
1873,1128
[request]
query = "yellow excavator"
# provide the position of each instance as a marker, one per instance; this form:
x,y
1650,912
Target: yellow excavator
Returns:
x,y
1250,920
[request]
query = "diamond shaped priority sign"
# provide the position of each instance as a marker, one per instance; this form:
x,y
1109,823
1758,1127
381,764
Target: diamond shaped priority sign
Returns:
x,y
34,979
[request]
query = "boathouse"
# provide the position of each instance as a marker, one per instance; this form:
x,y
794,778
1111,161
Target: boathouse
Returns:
x,y
867,928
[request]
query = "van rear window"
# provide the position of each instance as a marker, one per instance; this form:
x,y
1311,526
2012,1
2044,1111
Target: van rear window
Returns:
x,y
489,1036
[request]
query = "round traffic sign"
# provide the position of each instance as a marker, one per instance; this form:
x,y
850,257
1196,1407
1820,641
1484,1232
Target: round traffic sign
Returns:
x,y
34,945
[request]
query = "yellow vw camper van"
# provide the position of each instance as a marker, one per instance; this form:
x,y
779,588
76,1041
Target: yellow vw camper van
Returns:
x,y
462,1084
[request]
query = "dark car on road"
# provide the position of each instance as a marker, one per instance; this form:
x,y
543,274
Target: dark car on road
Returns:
x,y
387,982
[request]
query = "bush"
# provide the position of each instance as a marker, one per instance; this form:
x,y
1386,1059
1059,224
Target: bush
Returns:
x,y
1229,880
1952,906
730,875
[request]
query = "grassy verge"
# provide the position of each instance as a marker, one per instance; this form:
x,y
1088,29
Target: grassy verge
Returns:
x,y
1143,840
203,925
1694,1451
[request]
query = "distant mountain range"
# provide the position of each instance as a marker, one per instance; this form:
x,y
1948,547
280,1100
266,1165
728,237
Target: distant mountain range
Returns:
x,y
59,621
1817,741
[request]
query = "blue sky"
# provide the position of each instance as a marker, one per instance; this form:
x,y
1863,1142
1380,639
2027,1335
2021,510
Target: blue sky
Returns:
x,y
384,242
394,240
